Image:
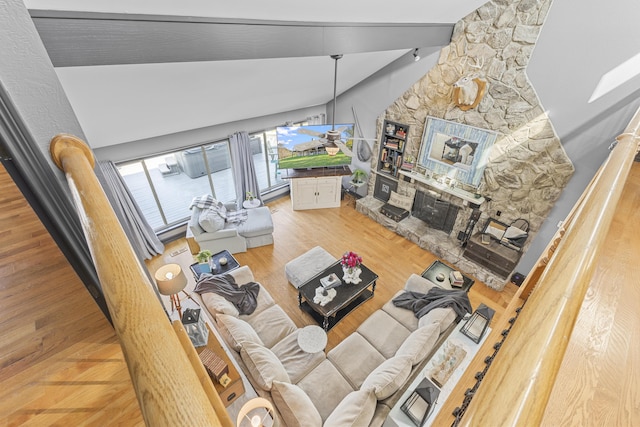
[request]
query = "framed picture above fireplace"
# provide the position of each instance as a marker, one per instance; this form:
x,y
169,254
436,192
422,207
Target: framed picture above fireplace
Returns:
x,y
456,150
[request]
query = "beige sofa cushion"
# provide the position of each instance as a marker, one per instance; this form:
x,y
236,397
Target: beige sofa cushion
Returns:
x,y
387,378
384,333
217,304
355,358
297,362
355,410
263,365
295,407
420,343
272,325
236,332
443,316
402,315
326,387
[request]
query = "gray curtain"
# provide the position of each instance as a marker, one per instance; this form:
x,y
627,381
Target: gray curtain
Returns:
x,y
141,236
243,168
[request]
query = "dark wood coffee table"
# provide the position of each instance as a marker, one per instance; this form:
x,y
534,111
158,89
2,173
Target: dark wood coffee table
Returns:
x,y
348,295
438,269
231,264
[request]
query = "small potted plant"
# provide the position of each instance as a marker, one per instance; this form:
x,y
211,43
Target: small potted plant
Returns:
x,y
203,257
249,196
359,176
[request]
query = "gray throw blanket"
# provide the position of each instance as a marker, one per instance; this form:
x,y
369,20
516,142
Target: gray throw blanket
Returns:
x,y
244,298
436,297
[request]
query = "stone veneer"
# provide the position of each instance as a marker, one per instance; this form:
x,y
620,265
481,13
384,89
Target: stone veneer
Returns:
x,y
527,167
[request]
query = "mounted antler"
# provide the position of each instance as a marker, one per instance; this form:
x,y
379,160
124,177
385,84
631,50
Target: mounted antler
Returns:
x,y
470,88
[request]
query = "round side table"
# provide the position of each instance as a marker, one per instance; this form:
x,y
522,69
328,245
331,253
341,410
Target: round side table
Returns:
x,y
251,204
312,339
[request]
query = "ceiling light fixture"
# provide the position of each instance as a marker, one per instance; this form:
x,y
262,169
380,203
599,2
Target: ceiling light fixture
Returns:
x,y
416,55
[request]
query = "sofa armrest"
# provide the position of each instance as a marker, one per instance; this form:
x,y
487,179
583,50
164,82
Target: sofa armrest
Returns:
x,y
220,234
417,283
242,275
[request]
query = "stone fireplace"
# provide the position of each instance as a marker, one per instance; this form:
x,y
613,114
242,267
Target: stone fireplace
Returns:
x,y
527,167
437,213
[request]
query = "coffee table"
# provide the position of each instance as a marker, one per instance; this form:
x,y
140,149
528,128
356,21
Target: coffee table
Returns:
x,y
348,295
435,271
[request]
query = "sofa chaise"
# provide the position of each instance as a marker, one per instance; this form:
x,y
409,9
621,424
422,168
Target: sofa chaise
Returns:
x,y
356,383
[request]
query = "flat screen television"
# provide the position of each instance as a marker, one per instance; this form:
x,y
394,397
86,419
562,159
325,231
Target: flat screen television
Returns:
x,y
303,147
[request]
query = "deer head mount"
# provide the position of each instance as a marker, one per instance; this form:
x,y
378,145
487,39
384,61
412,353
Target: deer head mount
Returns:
x,y
469,90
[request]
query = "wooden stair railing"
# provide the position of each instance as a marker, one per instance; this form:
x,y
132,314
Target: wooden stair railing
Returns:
x,y
516,389
167,386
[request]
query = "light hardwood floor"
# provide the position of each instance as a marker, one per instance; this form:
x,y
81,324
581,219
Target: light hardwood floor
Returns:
x,y
392,257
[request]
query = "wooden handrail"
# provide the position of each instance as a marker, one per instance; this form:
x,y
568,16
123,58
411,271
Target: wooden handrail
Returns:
x,y
515,390
168,390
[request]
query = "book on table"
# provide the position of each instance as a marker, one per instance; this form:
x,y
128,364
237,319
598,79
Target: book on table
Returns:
x,y
330,281
456,279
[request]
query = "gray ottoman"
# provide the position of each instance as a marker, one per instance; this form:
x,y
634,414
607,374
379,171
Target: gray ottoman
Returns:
x,y
258,228
307,265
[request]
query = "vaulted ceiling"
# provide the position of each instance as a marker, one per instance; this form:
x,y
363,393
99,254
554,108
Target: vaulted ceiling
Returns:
x,y
135,69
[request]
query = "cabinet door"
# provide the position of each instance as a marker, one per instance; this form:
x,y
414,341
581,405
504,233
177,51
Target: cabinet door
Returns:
x,y
303,193
328,192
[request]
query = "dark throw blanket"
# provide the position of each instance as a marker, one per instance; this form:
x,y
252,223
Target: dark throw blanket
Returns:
x,y
436,297
244,298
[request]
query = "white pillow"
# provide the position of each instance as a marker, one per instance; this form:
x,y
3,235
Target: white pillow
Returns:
x,y
420,343
355,410
236,332
443,316
263,365
387,378
402,202
210,220
217,304
294,405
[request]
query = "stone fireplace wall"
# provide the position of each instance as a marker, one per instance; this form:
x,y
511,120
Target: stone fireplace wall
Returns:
x,y
527,166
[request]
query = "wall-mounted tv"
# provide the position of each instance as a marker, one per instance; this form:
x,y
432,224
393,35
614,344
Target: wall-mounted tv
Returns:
x,y
303,147
455,149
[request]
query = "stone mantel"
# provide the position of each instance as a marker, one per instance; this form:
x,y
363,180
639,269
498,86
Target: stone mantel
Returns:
x,y
472,198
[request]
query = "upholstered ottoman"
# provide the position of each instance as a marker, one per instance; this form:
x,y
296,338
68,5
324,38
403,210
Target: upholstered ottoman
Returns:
x,y
307,265
258,228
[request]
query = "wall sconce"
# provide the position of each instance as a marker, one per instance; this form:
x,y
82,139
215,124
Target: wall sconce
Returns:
x,y
416,55
478,323
421,402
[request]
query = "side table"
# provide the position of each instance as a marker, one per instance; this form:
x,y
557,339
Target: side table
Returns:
x,y
251,204
235,388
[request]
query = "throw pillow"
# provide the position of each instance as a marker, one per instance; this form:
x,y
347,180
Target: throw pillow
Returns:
x,y
210,220
294,405
217,304
420,343
399,201
355,410
443,316
387,378
236,332
263,365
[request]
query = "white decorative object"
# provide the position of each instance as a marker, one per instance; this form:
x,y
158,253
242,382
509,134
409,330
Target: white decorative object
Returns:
x,y
324,296
352,275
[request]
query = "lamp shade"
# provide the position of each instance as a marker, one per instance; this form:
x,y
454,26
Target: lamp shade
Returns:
x,y
252,413
170,279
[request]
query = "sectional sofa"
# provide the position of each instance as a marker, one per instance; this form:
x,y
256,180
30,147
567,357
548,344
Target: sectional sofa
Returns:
x,y
356,383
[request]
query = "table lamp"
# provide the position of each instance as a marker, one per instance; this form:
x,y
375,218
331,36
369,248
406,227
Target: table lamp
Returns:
x,y
254,412
171,280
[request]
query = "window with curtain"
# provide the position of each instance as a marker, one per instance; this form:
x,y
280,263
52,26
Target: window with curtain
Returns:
x,y
163,185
